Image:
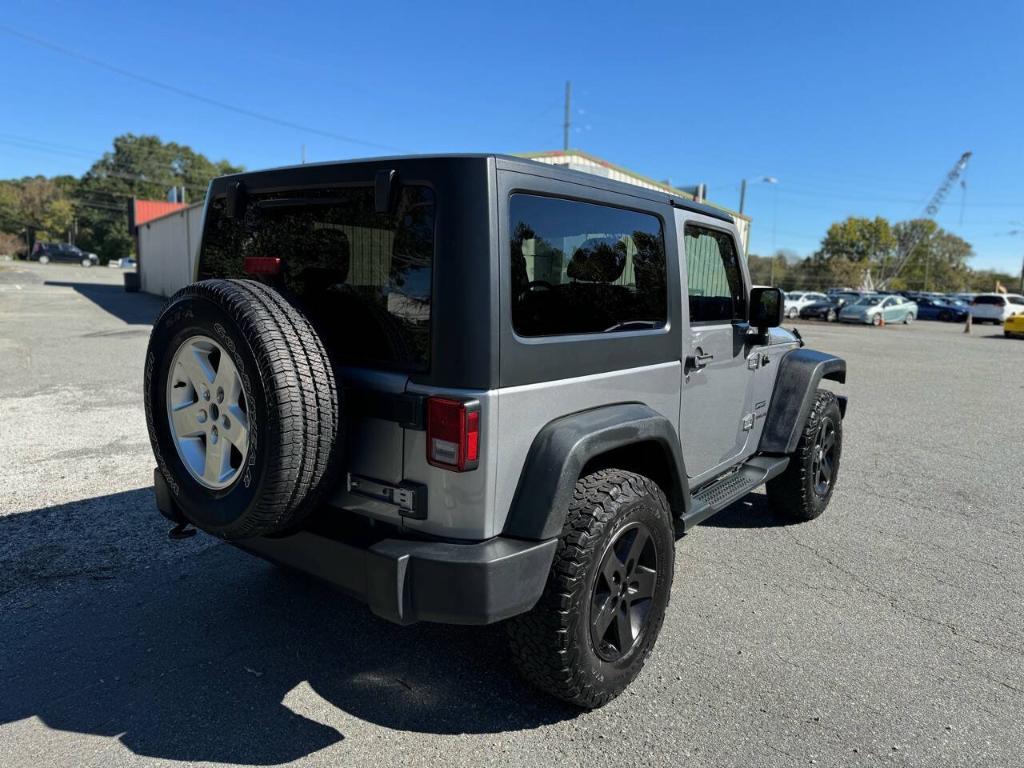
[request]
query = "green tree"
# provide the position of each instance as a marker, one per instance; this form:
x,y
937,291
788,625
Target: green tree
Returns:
x,y
937,259
143,167
769,270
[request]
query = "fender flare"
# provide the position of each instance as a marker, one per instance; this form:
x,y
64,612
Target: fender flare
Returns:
x,y
564,447
796,387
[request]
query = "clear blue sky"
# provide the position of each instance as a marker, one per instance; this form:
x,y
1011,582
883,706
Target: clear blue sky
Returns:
x,y
856,107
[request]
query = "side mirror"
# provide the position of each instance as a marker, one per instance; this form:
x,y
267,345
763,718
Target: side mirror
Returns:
x,y
766,307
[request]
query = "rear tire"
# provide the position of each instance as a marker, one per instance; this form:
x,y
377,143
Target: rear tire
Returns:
x,y
44,259
804,490
602,609
832,316
908,318
86,262
287,401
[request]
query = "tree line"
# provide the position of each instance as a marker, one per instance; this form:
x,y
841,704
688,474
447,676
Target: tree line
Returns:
x,y
909,255
92,211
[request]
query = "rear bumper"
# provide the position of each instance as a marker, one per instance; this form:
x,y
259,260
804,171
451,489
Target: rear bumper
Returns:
x,y
409,580
406,581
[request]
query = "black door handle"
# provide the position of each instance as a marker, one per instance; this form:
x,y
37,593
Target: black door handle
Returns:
x,y
697,361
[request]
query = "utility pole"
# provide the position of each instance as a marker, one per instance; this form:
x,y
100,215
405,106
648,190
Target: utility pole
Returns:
x,y
303,154
743,193
568,115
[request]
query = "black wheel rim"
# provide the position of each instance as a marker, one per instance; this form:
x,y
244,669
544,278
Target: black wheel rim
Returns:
x,y
623,592
823,464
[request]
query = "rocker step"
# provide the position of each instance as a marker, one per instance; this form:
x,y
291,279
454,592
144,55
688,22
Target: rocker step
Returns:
x,y
730,488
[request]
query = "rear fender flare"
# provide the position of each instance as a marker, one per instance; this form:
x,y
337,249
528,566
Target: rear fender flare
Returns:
x,y
564,447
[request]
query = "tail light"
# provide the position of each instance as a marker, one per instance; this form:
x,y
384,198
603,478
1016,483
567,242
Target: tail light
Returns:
x,y
453,433
262,265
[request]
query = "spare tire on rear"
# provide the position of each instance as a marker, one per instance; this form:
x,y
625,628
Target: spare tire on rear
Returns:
x,y
242,407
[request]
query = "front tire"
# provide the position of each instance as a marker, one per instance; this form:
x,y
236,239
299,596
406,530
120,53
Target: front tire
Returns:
x,y
86,262
876,320
602,609
44,259
804,490
832,316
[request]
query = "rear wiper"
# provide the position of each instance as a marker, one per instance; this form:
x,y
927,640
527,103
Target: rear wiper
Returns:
x,y
632,325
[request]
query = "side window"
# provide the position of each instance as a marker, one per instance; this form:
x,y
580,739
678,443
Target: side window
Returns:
x,y
585,268
1016,299
714,278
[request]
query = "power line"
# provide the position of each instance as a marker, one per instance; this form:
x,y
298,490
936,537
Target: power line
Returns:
x,y
187,93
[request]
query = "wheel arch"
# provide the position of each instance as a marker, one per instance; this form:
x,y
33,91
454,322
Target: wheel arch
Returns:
x,y
796,386
629,436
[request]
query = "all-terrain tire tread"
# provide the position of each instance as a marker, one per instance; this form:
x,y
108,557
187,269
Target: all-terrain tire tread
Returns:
x,y
791,494
540,641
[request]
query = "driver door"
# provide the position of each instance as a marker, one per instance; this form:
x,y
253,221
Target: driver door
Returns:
x,y
716,414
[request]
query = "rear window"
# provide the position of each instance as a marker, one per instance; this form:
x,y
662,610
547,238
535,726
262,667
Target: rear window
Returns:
x,y
585,268
363,277
997,301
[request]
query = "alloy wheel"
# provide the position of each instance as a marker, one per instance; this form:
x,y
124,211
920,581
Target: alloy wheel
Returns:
x,y
623,592
207,412
824,457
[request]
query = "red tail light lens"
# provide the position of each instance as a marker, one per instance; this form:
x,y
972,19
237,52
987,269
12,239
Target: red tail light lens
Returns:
x,y
262,265
453,433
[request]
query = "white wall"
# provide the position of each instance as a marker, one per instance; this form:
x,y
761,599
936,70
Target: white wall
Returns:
x,y
168,249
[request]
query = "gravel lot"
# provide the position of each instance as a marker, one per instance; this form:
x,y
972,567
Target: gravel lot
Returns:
x,y
888,632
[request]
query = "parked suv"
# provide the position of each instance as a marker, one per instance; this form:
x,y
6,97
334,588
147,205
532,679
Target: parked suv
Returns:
x,y
44,253
467,389
996,307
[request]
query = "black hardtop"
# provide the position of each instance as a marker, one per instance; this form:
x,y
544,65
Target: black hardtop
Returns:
x,y
422,166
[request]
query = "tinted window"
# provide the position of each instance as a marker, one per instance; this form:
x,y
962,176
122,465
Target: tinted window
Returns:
x,y
363,277
714,278
994,300
585,268
1015,299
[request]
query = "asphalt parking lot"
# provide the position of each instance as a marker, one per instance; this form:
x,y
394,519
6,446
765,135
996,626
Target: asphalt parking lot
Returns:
x,y
888,632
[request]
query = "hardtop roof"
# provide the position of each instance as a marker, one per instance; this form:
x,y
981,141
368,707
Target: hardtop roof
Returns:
x,y
503,162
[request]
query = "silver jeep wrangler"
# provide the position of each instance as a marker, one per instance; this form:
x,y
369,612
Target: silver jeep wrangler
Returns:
x,y
472,389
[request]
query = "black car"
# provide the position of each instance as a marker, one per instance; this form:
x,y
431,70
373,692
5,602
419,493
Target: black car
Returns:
x,y
829,308
44,253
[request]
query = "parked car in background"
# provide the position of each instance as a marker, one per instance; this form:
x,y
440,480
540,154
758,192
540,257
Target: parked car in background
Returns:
x,y
929,308
44,253
878,308
996,307
966,298
828,308
1014,326
797,300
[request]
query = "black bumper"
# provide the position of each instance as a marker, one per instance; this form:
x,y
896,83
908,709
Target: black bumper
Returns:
x,y
405,581
410,580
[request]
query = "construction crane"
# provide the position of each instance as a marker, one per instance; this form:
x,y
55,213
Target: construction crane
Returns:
x,y
929,213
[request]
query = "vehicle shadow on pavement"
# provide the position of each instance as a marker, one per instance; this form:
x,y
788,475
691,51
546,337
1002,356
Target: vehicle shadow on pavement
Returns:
x,y
752,511
131,308
195,651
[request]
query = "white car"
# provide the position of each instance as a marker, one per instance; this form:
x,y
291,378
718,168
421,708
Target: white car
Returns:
x,y
996,307
797,300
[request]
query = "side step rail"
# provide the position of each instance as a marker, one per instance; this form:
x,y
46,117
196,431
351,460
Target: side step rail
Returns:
x,y
726,490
